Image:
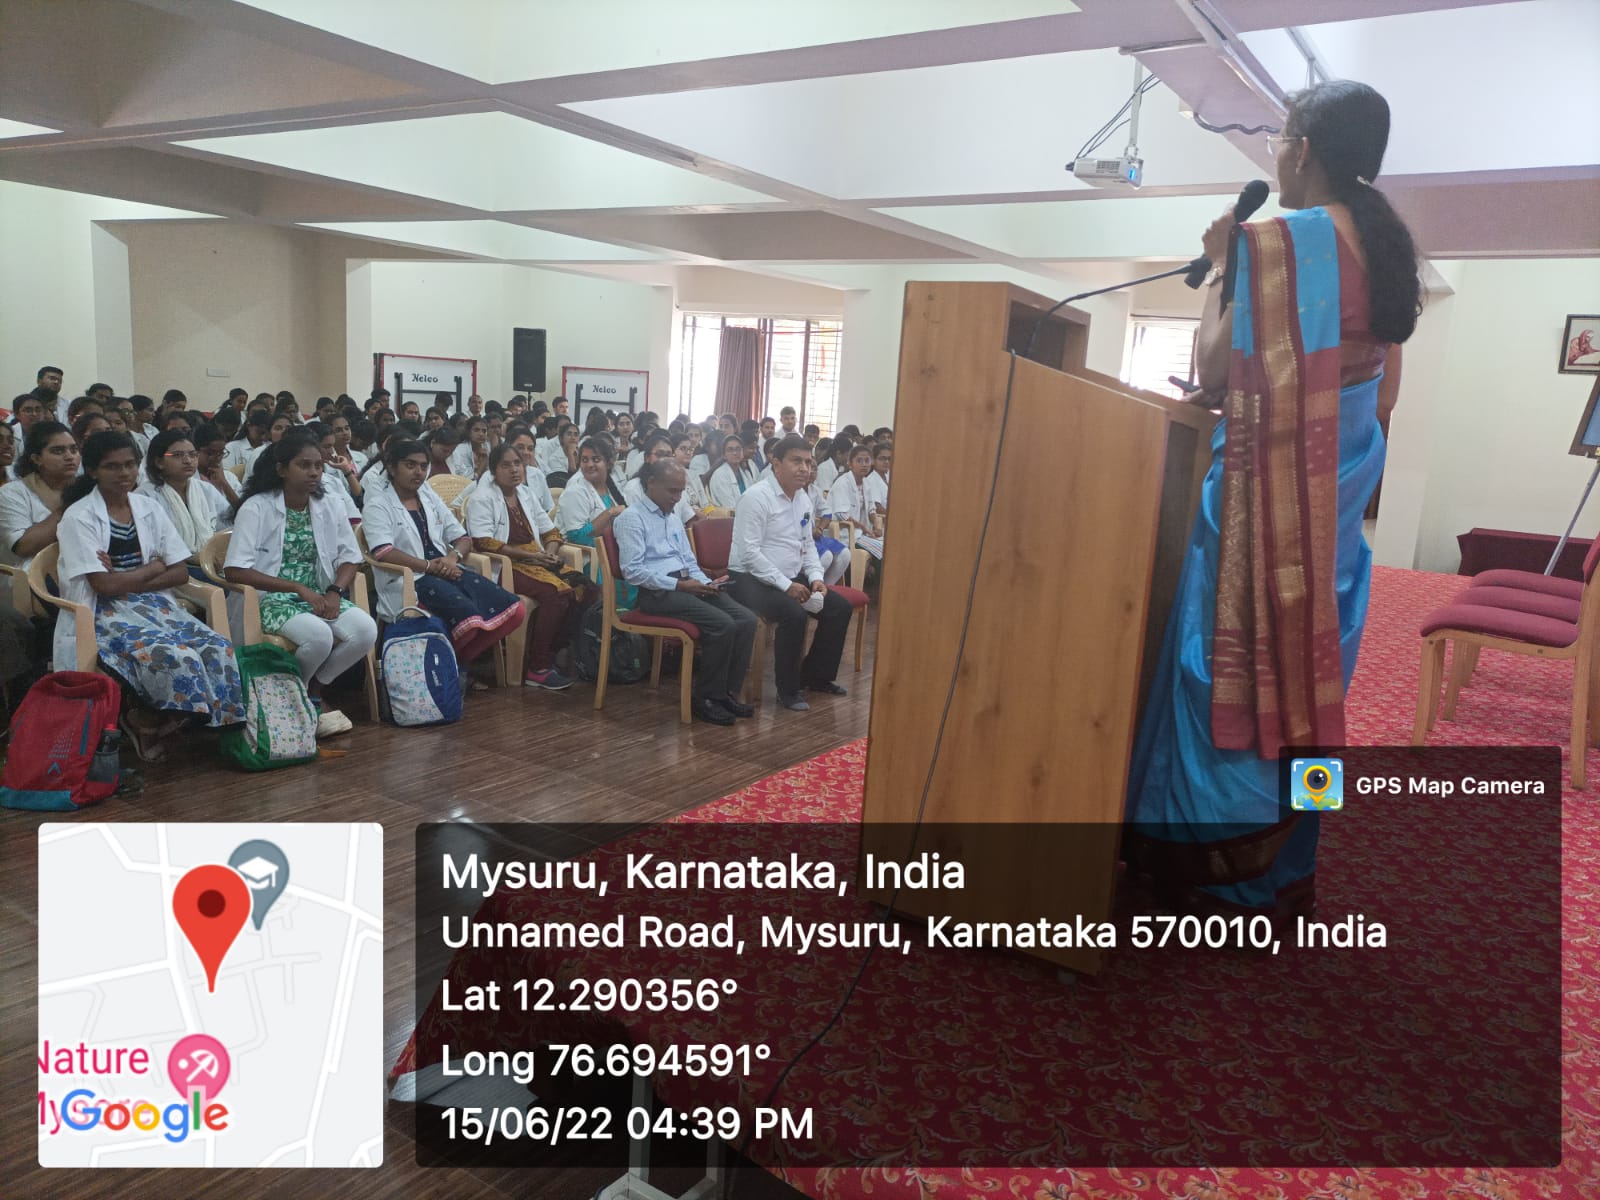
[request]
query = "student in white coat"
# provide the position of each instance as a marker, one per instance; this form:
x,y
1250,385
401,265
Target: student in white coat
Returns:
x,y
734,477
31,504
504,517
8,452
694,488
409,525
878,481
470,459
121,557
340,478
293,543
849,503
252,434
171,477
658,448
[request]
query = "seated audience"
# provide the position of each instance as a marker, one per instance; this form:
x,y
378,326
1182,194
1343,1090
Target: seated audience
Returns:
x,y
121,556
8,452
790,420
659,449
344,438
522,441
87,425
694,488
340,479
776,574
849,502
588,504
408,525
280,424
470,459
734,477
441,442
255,432
212,448
878,481
293,544
172,478
505,516
28,409
31,504
655,556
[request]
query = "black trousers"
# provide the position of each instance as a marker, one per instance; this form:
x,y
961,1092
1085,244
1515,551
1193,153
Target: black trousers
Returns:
x,y
727,635
789,617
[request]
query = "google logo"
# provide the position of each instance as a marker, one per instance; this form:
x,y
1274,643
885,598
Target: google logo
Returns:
x,y
81,1111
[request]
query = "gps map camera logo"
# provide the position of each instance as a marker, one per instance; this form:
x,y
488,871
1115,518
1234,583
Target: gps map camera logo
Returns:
x,y
1316,784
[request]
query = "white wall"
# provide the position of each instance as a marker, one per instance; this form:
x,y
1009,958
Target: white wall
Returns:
x,y
218,305
48,312
1480,434
467,310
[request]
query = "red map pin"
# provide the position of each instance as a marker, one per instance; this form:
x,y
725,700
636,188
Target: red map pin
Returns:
x,y
212,903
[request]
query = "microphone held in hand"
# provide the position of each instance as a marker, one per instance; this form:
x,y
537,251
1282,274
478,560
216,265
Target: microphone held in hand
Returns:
x,y
1251,197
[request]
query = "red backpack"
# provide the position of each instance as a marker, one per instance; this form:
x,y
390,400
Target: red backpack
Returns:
x,y
54,735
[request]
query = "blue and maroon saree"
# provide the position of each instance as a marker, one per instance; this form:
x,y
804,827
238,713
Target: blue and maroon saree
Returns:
x,y
1263,634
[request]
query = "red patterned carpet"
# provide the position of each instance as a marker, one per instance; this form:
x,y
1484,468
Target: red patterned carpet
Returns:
x,y
1513,701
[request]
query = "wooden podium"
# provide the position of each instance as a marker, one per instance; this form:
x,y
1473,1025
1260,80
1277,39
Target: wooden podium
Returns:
x,y
1097,492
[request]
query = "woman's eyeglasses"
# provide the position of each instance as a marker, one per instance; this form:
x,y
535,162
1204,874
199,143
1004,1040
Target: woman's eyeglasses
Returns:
x,y
183,455
1277,141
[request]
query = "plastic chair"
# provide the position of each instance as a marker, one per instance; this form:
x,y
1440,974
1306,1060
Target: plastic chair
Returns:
x,y
658,629
1542,628
44,582
504,573
21,592
448,487
503,676
214,554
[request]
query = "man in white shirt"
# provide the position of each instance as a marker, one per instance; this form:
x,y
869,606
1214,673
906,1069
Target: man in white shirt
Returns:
x,y
776,574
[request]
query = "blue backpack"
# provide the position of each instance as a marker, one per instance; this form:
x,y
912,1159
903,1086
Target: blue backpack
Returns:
x,y
419,682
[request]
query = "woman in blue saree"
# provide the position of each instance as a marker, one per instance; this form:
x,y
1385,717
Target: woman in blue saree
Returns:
x,y
1262,639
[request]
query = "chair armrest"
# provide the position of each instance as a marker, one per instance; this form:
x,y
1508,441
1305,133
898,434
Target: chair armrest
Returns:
x,y
83,629
498,569
408,580
577,557
21,593
212,602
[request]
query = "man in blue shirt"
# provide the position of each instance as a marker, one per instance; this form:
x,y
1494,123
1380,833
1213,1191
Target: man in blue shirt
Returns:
x,y
653,551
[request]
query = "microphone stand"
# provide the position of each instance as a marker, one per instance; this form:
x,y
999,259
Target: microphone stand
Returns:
x,y
1038,324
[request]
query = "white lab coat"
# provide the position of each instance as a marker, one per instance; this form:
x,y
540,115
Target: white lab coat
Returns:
x,y
489,517
463,462
20,511
386,522
579,505
85,530
209,506
724,489
257,542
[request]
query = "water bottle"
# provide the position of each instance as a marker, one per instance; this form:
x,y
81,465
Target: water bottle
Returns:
x,y
107,764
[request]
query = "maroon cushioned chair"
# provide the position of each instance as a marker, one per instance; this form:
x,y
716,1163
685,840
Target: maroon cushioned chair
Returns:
x,y
1530,581
713,544
657,629
858,602
1472,627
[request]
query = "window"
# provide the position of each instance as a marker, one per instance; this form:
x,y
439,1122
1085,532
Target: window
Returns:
x,y
1159,347
800,357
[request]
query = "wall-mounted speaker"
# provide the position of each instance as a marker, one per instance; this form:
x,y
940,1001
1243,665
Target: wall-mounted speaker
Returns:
x,y
527,360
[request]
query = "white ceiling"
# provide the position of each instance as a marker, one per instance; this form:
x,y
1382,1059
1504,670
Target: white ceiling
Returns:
x,y
637,137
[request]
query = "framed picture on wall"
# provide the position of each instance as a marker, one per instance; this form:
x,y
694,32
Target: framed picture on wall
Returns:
x,y
1580,346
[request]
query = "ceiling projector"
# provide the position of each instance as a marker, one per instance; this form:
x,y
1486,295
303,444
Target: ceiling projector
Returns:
x,y
1127,171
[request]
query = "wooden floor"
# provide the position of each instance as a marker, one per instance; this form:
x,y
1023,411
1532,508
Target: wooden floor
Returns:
x,y
519,755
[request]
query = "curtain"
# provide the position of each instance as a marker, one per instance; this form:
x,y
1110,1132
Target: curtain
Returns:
x,y
739,372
